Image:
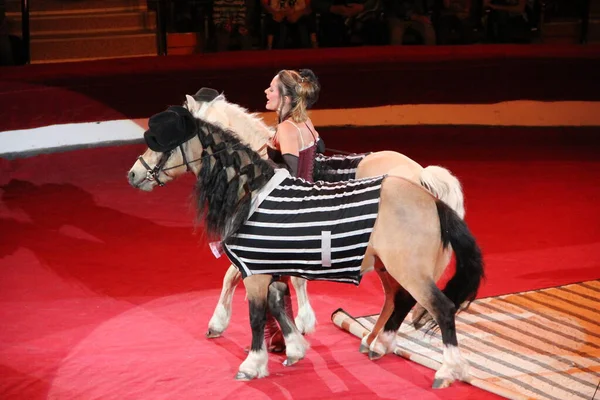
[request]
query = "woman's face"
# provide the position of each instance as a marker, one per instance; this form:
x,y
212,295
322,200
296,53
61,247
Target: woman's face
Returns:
x,y
273,95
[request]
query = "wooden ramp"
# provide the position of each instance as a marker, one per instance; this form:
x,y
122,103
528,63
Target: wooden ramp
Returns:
x,y
542,344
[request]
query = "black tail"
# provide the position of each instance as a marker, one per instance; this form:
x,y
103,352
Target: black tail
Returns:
x,y
463,286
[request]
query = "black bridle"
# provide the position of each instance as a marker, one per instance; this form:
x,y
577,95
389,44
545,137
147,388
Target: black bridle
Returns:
x,y
152,174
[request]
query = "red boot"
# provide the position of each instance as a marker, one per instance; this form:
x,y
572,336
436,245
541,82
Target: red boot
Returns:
x,y
273,335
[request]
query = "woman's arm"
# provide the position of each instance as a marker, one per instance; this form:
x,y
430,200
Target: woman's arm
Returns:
x,y
288,146
288,139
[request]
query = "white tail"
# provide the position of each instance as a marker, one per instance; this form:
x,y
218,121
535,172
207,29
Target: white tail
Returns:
x,y
442,184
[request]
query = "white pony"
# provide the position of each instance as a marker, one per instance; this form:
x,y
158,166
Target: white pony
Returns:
x,y
253,131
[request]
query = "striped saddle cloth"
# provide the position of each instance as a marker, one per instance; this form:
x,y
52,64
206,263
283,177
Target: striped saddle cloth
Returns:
x,y
317,231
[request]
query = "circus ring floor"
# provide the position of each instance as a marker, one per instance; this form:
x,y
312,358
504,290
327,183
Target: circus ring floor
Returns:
x,y
105,292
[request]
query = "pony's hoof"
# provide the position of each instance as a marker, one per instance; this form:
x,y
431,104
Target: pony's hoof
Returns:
x,y
373,355
439,383
288,362
212,334
242,376
364,349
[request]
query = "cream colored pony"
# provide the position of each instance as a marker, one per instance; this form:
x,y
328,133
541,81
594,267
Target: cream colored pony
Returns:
x,y
252,130
406,248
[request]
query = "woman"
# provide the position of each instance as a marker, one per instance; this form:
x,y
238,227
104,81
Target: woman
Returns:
x,y
296,141
294,146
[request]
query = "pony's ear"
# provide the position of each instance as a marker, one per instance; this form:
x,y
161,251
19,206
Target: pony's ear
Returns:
x,y
206,94
192,104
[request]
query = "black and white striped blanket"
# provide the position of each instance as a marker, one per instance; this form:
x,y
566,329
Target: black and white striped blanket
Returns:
x,y
315,231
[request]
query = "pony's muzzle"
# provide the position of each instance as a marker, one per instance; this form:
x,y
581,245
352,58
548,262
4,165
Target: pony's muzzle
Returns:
x,y
136,179
132,178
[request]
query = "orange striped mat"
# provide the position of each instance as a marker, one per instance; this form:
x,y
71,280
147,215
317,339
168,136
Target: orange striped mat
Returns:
x,y
542,344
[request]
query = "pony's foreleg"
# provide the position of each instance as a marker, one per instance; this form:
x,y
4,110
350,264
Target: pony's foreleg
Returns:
x,y
385,342
295,344
390,287
222,314
305,320
255,364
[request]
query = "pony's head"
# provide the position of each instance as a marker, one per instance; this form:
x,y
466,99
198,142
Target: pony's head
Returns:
x,y
173,149
228,170
210,106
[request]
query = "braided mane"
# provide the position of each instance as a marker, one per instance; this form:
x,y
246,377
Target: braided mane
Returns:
x,y
230,172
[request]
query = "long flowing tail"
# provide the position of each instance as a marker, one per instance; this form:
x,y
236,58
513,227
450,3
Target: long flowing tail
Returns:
x,y
462,288
444,186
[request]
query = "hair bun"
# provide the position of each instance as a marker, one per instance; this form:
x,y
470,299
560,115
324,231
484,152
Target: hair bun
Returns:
x,y
312,94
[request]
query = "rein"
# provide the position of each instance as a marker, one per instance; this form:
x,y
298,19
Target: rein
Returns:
x,y
335,151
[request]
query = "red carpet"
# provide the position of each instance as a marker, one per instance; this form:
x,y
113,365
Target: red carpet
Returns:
x,y
105,292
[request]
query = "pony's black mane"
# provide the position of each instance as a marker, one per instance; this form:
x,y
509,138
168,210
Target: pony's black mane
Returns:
x,y
230,171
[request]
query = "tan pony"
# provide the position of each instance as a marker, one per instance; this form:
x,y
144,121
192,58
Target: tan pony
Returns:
x,y
406,245
252,130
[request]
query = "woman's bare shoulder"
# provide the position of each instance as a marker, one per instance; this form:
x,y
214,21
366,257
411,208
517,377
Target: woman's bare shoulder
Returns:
x,y
288,129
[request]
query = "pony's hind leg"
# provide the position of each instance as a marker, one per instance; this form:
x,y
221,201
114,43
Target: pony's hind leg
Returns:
x,y
255,364
409,237
295,344
305,320
222,314
420,316
390,287
386,340
442,309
